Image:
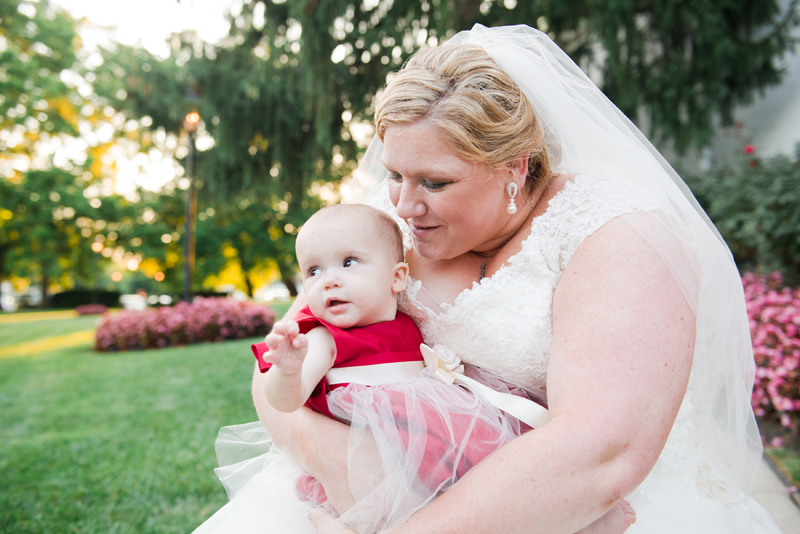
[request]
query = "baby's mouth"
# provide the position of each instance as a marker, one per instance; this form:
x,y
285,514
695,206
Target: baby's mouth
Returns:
x,y
335,305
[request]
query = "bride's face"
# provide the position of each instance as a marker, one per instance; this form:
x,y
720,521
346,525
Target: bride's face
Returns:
x,y
452,206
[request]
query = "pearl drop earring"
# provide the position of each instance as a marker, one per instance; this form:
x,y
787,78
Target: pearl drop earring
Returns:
x,y
512,189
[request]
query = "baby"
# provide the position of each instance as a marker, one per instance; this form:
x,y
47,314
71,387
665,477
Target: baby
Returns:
x,y
351,259
351,355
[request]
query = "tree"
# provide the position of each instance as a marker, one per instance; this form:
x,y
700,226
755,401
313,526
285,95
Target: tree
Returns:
x,y
37,45
41,235
255,228
52,208
283,95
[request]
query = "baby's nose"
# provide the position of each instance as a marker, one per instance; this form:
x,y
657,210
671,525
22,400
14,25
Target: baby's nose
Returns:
x,y
330,280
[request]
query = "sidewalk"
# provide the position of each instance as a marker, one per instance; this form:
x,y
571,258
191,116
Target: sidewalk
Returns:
x,y
74,339
770,493
28,317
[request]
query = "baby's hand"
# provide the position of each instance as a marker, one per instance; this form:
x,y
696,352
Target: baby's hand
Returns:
x,y
287,347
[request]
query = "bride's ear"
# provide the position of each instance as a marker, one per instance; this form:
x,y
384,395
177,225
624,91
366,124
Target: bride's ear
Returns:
x,y
400,277
518,166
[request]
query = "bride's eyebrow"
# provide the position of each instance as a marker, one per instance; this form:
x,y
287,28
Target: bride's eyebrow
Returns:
x,y
420,173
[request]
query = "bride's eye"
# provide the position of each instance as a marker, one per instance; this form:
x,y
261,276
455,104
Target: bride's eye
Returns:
x,y
350,262
394,176
433,186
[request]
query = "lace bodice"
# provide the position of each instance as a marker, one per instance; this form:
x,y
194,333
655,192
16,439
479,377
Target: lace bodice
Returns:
x,y
520,341
513,310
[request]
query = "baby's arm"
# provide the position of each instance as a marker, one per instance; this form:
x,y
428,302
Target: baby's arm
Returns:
x,y
299,362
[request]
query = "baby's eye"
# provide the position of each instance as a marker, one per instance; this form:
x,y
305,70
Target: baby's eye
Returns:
x,y
314,271
349,262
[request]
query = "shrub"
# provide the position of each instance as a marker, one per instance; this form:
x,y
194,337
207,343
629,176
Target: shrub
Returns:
x,y
755,204
91,309
774,313
73,298
205,319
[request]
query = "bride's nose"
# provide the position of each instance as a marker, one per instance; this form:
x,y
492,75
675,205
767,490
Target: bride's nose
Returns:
x,y
408,201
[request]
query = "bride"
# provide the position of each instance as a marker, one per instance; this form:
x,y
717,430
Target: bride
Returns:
x,y
552,245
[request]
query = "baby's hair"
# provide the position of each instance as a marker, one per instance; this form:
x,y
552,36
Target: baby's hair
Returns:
x,y
386,227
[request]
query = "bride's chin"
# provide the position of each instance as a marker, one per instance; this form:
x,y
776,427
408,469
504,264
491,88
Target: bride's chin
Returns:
x,y
435,251
429,251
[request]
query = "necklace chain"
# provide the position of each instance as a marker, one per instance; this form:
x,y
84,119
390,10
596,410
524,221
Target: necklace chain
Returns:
x,y
485,258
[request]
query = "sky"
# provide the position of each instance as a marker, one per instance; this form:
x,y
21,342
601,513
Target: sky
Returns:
x,y
150,22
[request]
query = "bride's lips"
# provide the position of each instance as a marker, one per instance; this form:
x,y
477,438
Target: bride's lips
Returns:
x,y
421,231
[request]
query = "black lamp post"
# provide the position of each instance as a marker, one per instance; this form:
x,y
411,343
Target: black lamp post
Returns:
x,y
190,125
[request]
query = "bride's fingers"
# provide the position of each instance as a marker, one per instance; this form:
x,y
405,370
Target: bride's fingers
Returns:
x,y
630,513
326,523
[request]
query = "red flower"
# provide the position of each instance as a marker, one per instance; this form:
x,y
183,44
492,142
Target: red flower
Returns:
x,y
749,149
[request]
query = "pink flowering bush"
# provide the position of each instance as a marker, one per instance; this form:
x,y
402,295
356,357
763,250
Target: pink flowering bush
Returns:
x,y
205,319
774,313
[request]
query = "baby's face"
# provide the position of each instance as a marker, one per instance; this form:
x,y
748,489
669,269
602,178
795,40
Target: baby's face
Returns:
x,y
349,276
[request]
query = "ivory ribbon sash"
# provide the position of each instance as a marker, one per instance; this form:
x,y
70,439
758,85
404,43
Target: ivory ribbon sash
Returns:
x,y
523,409
375,375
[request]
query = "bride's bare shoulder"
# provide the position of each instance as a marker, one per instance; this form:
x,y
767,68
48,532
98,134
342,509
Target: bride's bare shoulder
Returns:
x,y
617,263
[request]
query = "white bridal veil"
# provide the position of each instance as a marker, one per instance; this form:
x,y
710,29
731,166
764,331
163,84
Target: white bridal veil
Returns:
x,y
586,133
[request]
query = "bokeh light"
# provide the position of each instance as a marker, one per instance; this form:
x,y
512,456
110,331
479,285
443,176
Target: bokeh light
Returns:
x,y
159,276
117,276
97,247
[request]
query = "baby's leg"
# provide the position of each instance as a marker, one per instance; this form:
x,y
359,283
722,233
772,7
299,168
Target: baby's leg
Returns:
x,y
616,521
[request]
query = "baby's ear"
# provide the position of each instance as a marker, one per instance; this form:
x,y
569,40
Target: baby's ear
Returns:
x,y
400,277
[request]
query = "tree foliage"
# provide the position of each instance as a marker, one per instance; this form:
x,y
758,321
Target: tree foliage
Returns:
x,y
40,234
36,45
283,96
287,97
288,71
53,208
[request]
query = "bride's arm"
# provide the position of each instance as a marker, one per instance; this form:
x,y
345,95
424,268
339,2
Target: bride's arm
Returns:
x,y
623,339
315,441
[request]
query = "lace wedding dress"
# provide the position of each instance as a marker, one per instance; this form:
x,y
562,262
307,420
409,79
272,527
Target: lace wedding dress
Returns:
x,y
504,325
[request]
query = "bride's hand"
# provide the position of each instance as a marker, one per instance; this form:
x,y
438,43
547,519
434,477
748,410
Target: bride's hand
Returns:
x,y
326,523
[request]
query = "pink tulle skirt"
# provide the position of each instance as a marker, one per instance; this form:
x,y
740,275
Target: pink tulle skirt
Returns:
x,y
408,443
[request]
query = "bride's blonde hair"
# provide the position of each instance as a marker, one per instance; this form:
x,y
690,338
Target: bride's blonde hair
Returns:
x,y
484,114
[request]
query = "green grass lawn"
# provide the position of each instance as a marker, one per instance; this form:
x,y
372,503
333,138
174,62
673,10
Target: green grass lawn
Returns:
x,y
788,461
280,307
120,443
